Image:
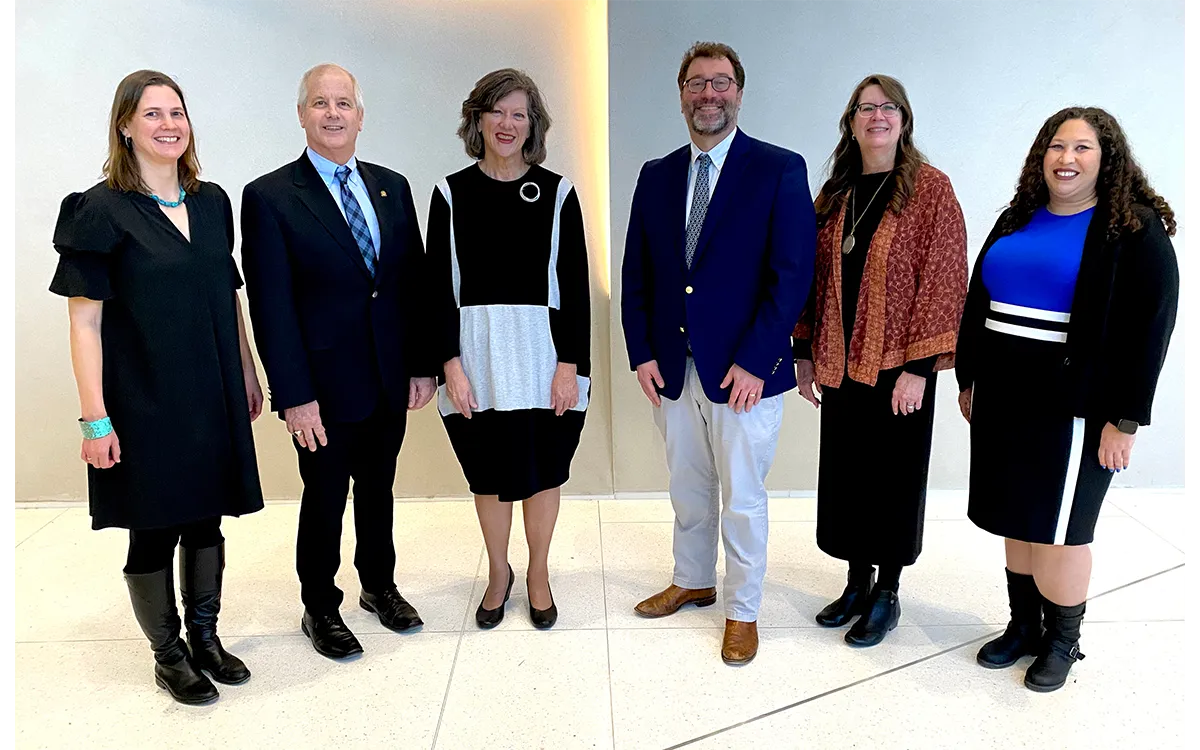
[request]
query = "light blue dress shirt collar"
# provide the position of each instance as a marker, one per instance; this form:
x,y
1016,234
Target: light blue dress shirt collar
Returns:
x,y
718,152
328,171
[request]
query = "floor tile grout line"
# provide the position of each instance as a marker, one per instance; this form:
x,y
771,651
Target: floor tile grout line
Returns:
x,y
893,670
458,647
831,691
41,528
612,717
1145,526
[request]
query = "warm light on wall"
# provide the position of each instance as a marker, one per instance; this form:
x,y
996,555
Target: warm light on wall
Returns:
x,y
592,111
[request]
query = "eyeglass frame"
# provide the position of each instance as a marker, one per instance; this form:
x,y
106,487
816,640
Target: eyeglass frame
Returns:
x,y
708,82
858,112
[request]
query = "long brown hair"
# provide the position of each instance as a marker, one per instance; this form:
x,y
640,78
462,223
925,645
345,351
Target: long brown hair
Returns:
x,y
846,160
1120,185
121,167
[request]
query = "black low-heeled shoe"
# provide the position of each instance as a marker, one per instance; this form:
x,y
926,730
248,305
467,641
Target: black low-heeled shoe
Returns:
x,y
543,618
490,618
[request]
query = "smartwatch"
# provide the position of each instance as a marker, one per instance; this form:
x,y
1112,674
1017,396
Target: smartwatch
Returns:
x,y
1127,426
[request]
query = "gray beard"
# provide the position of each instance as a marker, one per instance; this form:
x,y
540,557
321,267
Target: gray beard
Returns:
x,y
722,122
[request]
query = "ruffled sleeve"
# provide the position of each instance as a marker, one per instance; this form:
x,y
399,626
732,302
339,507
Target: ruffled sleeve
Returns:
x,y
85,238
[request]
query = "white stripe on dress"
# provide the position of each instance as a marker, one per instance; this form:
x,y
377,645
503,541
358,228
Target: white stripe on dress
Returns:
x,y
1031,312
1025,331
1075,457
444,187
555,296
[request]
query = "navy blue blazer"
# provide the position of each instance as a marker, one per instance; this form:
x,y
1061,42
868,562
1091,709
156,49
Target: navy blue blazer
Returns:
x,y
749,279
326,330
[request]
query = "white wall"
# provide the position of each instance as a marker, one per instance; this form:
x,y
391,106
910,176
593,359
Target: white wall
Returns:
x,y
239,64
982,77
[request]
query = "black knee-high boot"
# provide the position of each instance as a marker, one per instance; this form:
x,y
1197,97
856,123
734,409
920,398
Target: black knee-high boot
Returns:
x,y
153,599
1059,649
1024,632
200,578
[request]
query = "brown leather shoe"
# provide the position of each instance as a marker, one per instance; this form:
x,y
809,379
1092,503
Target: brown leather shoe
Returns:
x,y
740,644
668,601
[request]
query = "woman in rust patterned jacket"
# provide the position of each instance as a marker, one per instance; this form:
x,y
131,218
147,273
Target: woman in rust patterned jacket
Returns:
x,y
891,279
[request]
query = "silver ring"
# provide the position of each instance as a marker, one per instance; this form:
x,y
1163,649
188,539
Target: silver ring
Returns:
x,y
536,194
298,433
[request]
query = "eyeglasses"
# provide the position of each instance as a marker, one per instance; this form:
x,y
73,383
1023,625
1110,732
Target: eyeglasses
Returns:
x,y
890,109
720,84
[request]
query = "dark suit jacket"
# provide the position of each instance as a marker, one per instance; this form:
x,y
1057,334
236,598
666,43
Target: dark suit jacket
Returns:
x,y
1122,317
325,329
749,279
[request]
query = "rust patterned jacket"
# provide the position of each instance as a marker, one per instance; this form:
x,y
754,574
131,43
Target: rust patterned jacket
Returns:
x,y
913,289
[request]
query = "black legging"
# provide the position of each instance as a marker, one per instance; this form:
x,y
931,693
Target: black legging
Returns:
x,y
151,550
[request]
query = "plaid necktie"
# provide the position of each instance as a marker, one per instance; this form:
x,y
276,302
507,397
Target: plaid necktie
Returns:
x,y
699,208
356,220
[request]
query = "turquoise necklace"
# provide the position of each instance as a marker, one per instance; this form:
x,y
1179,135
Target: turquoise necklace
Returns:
x,y
171,204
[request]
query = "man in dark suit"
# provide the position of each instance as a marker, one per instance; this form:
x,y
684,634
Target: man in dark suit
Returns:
x,y
334,264
718,263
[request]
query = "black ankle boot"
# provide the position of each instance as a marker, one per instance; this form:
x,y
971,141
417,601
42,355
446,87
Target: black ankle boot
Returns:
x,y
1024,632
853,601
153,599
882,616
200,577
1059,648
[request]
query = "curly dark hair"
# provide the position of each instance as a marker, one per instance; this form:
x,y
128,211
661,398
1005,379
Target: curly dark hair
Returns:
x,y
1120,185
846,161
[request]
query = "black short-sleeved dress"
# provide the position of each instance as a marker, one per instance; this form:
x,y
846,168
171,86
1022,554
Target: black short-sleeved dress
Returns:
x,y
172,377
511,272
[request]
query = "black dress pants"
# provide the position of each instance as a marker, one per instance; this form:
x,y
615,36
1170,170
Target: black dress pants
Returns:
x,y
366,453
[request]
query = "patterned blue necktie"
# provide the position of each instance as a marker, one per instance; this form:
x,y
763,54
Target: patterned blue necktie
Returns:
x,y
699,208
356,220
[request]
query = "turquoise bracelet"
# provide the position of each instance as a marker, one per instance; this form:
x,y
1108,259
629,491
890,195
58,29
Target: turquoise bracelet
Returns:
x,y
95,430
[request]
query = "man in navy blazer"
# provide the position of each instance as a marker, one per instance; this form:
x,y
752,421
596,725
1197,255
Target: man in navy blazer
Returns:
x,y
334,268
718,265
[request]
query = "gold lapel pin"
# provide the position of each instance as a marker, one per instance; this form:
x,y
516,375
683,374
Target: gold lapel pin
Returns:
x,y
382,193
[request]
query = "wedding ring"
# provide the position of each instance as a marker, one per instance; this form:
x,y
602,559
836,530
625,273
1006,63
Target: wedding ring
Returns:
x,y
298,433
753,394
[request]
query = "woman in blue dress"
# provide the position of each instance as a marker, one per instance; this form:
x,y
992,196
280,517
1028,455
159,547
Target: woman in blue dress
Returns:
x,y
1068,316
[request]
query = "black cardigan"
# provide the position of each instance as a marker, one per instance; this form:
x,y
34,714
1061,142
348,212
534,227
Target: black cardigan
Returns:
x,y
1122,317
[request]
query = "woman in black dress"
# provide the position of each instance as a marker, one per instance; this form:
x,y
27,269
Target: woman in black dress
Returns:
x,y
161,360
1066,327
506,243
891,276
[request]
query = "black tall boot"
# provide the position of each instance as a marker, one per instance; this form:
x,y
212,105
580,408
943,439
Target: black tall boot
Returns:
x,y
1024,632
153,598
852,602
1059,649
200,575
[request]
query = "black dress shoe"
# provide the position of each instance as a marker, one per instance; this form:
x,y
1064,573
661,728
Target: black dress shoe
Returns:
x,y
393,611
543,618
490,618
881,618
852,603
329,635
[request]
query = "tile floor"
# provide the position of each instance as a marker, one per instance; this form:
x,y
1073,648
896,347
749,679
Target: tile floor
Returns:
x,y
603,678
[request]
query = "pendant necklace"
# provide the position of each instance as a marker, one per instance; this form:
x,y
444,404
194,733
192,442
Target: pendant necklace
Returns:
x,y
848,243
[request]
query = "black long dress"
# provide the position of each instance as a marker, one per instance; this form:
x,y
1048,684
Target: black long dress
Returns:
x,y
874,465
511,269
172,373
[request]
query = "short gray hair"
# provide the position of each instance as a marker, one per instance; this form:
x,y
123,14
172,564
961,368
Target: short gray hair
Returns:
x,y
302,93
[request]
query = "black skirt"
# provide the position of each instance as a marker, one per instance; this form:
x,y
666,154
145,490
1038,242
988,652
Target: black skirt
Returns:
x,y
515,454
874,468
1035,467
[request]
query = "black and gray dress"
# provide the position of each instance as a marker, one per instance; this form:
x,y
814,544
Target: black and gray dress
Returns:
x,y
510,268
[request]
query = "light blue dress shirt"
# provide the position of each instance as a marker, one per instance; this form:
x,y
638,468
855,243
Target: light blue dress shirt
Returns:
x,y
717,154
328,171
